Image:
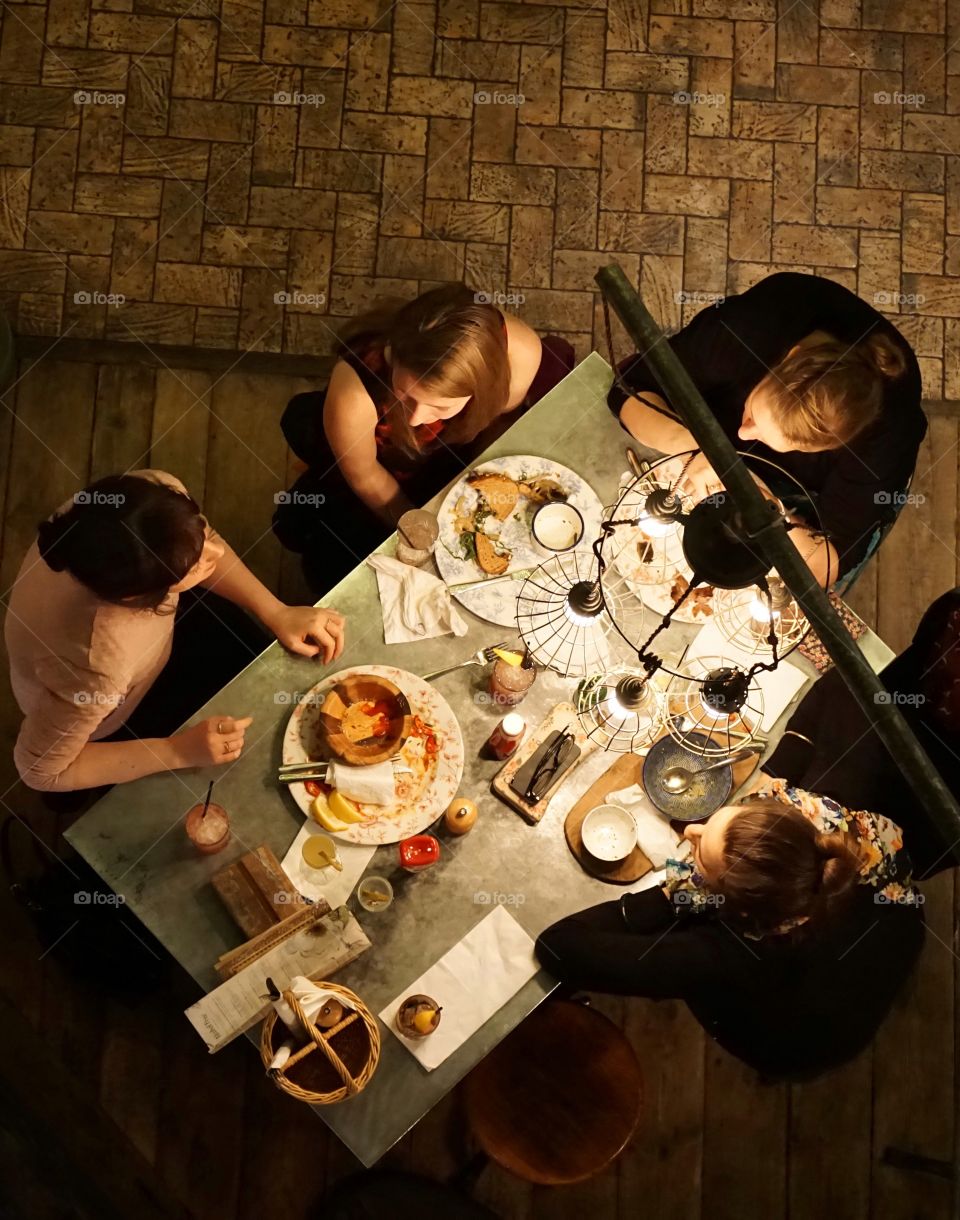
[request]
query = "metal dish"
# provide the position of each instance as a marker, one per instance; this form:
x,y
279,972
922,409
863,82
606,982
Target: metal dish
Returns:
x,y
706,793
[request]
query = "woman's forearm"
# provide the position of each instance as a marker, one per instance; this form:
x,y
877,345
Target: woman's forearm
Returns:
x,y
233,580
382,494
109,762
654,430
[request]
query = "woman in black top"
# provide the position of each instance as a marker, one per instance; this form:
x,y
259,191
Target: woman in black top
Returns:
x,y
802,372
788,934
830,745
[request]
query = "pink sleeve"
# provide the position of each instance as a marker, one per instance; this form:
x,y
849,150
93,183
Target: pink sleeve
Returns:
x,y
55,731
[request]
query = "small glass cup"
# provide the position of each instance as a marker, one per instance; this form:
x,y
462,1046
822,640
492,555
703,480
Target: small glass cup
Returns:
x,y
208,832
374,893
510,683
417,534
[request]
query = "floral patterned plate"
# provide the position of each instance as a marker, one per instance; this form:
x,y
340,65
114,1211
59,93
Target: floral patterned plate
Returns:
x,y
434,752
498,604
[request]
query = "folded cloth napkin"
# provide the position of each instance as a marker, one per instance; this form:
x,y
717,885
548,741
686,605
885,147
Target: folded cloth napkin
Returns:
x,y
415,604
470,983
374,785
657,839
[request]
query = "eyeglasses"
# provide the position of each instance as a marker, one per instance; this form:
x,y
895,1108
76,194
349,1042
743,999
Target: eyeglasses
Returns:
x,y
547,767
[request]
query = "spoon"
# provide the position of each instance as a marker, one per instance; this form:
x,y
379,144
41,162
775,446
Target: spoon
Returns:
x,y
677,780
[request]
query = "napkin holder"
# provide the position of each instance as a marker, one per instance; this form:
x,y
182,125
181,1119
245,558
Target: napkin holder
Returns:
x,y
347,1054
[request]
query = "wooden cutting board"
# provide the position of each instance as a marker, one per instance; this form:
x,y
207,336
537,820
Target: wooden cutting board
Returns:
x,y
256,891
622,773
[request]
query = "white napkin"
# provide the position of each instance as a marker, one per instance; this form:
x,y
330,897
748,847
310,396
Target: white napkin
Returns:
x,y
312,998
374,785
779,686
335,887
470,983
416,605
657,839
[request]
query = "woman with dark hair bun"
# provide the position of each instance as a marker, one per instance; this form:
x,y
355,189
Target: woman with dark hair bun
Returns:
x,y
96,667
788,931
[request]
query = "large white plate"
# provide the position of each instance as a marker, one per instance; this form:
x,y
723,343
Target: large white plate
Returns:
x,y
498,604
653,580
422,798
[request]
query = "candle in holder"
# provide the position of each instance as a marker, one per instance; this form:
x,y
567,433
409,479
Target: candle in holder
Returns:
x,y
417,533
510,683
208,828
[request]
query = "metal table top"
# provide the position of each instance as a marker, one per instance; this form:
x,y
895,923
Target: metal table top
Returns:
x,y
133,837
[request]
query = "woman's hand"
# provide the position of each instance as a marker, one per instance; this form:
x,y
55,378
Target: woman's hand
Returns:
x,y
700,479
309,631
218,739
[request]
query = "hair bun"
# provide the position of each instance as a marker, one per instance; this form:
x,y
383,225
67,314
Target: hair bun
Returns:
x,y
50,541
884,356
840,865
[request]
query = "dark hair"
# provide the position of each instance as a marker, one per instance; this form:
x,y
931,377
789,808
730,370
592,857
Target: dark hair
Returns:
x,y
778,867
126,538
826,392
451,341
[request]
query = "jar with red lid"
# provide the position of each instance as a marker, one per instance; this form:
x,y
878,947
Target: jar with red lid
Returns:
x,y
419,852
506,736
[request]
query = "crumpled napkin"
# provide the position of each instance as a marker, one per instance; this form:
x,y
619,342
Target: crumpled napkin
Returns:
x,y
374,785
655,835
415,604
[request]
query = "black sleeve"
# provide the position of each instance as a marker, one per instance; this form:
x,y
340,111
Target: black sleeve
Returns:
x,y
735,341
650,952
860,492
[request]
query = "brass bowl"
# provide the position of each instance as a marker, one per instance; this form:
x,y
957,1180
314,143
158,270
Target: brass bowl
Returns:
x,y
364,720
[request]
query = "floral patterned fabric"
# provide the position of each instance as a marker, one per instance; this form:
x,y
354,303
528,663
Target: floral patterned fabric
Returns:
x,y
884,864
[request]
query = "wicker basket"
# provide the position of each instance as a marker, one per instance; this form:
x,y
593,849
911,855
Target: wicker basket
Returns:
x,y
321,1042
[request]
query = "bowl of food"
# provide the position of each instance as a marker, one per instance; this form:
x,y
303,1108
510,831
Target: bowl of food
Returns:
x,y
557,526
364,719
609,833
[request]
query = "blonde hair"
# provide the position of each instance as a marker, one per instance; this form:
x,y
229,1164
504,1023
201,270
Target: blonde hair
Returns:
x,y
825,393
453,344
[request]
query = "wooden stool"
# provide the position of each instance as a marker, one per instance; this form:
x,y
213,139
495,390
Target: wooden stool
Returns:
x,y
559,1098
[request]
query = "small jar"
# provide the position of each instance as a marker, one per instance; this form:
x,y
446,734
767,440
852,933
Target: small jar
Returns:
x,y
510,683
506,736
419,852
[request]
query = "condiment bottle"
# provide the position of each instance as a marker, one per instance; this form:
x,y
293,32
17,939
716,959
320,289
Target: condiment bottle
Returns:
x,y
506,736
460,816
419,852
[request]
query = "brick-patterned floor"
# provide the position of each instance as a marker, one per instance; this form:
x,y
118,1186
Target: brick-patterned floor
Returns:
x,y
146,152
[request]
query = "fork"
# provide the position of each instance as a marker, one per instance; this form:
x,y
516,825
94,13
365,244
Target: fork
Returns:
x,y
482,656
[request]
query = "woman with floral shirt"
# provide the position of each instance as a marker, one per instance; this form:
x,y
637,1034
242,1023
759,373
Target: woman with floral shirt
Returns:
x,y
788,931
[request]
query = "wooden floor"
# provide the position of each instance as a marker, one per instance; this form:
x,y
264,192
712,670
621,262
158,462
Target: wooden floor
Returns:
x,y
117,1106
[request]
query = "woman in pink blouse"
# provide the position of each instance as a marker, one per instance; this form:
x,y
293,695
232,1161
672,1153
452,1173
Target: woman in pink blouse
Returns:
x,y
90,627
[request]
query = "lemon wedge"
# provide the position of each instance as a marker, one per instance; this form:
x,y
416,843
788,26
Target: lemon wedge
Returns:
x,y
343,809
321,812
423,1021
507,655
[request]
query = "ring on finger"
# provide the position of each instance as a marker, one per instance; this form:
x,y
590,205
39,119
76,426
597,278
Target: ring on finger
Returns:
x,y
219,726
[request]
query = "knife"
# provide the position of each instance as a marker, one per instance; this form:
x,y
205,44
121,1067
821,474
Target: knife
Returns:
x,y
519,574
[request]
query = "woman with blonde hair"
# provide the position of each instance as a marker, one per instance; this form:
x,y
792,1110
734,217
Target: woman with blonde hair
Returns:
x,y
418,390
803,373
788,931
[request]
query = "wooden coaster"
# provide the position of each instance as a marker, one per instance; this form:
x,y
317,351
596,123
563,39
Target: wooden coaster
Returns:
x,y
624,772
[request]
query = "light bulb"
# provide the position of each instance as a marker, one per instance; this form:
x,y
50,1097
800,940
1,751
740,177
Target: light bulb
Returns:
x,y
578,619
654,528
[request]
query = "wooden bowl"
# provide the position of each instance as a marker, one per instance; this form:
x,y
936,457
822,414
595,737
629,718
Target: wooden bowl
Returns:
x,y
364,720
